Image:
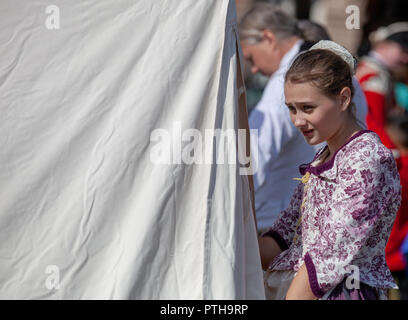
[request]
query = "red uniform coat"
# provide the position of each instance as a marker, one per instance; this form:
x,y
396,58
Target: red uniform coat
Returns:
x,y
376,83
395,259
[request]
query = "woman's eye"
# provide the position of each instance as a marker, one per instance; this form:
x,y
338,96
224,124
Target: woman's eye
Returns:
x,y
307,108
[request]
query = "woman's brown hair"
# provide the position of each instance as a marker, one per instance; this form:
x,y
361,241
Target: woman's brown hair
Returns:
x,y
324,69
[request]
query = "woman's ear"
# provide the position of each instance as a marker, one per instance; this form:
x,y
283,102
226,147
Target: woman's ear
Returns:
x,y
345,98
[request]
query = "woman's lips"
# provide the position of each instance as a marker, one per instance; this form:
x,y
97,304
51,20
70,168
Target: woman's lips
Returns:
x,y
307,133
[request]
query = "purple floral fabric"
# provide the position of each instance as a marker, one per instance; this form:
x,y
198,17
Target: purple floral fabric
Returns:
x,y
349,206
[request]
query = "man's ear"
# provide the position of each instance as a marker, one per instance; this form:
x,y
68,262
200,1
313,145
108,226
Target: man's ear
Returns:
x,y
345,98
269,37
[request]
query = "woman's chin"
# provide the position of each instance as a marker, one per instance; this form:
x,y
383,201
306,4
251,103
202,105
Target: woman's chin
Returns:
x,y
313,142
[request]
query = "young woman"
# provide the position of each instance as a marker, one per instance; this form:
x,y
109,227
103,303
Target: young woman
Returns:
x,y
330,242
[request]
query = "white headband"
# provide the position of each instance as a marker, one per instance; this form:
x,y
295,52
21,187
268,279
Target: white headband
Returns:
x,y
339,50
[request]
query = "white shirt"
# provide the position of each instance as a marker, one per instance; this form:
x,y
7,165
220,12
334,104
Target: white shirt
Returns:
x,y
281,147
360,101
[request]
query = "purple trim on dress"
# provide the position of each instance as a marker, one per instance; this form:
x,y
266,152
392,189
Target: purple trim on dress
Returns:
x,y
278,238
329,164
311,271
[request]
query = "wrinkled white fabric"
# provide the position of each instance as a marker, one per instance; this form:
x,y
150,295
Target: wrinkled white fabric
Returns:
x,y
84,213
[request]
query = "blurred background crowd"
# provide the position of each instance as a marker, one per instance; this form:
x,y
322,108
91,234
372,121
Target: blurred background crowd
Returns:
x,y
376,33
331,14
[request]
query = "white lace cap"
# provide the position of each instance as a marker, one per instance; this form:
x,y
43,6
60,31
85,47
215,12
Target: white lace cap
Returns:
x,y
339,50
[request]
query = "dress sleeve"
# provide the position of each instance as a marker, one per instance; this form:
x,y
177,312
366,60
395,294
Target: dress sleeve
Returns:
x,y
365,202
284,227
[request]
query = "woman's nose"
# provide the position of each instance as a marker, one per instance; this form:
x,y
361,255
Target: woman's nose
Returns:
x,y
299,121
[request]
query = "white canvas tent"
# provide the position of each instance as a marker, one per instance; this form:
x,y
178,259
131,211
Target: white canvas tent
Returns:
x,y
84,211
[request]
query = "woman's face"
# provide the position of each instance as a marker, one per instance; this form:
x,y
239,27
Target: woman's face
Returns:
x,y
317,116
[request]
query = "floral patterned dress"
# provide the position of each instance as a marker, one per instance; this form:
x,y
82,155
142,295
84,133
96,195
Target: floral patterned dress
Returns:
x,y
340,217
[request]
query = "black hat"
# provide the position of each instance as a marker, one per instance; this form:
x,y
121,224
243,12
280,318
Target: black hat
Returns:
x,y
401,38
396,32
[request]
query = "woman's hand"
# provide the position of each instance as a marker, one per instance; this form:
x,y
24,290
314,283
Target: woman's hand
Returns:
x,y
300,288
269,249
